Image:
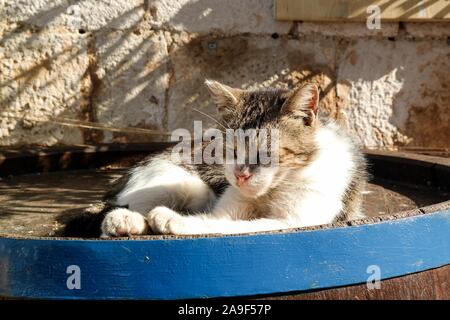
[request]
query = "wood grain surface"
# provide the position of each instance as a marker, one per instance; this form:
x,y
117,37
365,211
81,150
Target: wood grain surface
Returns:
x,y
350,10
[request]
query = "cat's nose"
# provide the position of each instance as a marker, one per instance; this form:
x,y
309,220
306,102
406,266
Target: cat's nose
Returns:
x,y
241,176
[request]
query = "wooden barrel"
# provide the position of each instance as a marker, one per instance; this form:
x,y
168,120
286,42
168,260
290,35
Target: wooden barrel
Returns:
x,y
401,254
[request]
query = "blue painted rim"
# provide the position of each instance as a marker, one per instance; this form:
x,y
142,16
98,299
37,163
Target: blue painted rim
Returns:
x,y
224,266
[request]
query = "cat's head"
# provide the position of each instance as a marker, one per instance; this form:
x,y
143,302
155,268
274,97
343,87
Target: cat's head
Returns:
x,y
292,114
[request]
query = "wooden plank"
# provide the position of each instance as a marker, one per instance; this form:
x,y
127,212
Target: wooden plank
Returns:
x,y
58,158
432,284
349,10
220,266
410,168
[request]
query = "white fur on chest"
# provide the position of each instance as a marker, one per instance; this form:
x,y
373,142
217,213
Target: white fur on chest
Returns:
x,y
311,195
324,182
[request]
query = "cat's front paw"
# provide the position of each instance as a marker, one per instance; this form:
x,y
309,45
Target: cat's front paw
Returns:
x,y
163,220
123,222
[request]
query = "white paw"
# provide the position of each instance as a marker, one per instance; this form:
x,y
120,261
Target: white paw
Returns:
x,y
123,222
163,220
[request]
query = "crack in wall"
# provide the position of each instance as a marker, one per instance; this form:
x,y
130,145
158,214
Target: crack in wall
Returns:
x,y
92,136
171,78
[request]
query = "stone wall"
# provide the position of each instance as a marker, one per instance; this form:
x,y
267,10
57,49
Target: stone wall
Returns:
x,y
141,63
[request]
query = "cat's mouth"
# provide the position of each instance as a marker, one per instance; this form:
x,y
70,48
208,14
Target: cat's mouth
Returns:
x,y
247,183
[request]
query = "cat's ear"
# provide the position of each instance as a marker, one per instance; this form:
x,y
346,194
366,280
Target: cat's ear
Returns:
x,y
225,97
304,103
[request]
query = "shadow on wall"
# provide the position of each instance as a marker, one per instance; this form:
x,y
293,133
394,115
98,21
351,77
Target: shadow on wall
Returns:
x,y
135,76
398,89
54,71
138,77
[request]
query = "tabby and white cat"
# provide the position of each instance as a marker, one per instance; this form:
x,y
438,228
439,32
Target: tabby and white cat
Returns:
x,y
319,178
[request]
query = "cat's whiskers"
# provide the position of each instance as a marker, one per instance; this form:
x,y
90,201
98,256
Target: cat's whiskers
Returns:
x,y
212,118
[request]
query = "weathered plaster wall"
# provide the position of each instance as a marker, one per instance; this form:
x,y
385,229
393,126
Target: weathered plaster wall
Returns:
x,y
141,63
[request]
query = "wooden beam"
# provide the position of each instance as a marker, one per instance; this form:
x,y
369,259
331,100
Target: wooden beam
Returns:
x,y
431,284
348,10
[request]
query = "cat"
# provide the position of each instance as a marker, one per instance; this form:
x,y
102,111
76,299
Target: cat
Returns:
x,y
319,178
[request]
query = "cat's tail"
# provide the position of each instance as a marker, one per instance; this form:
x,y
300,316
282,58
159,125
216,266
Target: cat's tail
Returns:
x,y
84,223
